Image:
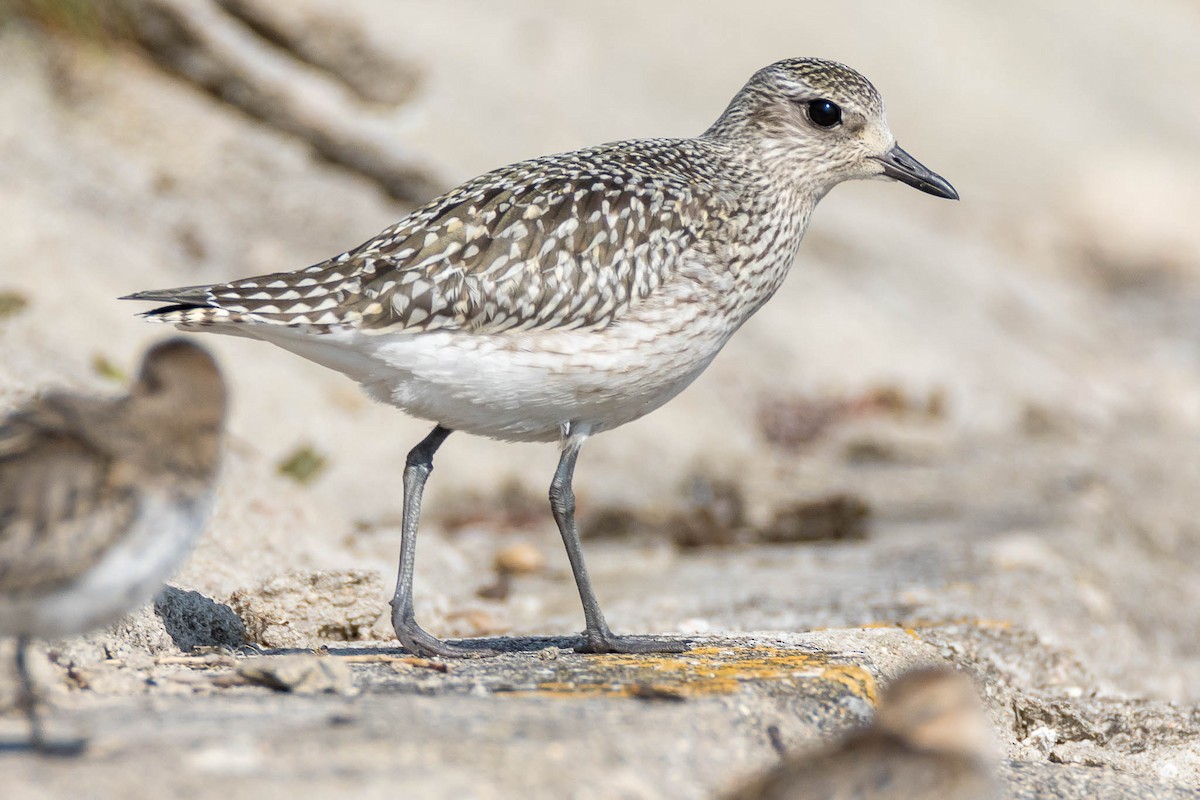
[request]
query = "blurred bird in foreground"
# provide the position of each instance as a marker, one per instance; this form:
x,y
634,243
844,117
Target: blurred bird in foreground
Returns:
x,y
930,739
102,499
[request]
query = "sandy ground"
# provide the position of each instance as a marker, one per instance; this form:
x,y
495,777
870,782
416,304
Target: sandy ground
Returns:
x,y
1008,385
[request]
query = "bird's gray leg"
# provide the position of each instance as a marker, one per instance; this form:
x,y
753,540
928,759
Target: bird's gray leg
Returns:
x,y
416,471
597,637
27,700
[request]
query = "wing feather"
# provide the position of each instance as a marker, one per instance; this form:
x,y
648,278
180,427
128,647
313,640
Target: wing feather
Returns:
x,y
61,505
563,241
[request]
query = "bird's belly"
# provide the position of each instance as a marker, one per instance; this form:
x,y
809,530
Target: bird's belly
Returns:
x,y
524,385
125,577
528,387
520,394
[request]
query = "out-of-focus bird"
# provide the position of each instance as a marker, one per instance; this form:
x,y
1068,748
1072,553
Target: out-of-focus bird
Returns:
x,y
560,297
930,739
102,499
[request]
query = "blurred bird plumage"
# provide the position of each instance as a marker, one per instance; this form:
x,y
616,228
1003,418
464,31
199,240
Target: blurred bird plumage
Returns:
x,y
102,499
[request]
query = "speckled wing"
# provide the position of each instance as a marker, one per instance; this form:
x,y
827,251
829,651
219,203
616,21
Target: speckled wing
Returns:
x,y
564,241
60,503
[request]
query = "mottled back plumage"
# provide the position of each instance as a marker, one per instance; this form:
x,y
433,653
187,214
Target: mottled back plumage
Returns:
x,y
567,241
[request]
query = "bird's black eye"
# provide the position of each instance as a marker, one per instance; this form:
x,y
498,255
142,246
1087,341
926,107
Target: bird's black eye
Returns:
x,y
824,113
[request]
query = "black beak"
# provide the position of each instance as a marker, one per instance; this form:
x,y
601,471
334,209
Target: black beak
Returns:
x,y
899,165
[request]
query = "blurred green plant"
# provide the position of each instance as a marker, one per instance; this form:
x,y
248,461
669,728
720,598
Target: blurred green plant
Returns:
x,y
106,369
92,20
302,465
12,303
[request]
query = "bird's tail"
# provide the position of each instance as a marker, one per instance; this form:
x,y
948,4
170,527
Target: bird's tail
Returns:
x,y
188,307
309,298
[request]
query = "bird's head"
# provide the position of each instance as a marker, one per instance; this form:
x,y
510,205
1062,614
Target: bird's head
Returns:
x,y
822,123
179,378
936,710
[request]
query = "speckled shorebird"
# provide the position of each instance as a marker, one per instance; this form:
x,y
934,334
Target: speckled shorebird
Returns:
x,y
930,739
102,499
560,297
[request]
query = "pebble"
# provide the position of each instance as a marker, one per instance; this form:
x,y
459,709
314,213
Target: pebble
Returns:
x,y
519,559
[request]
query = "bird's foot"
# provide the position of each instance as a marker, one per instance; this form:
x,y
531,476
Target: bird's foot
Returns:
x,y
419,642
56,748
59,748
607,642
39,743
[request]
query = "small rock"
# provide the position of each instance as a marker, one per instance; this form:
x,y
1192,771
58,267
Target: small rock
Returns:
x,y
299,674
519,559
791,423
193,620
615,522
883,444
840,517
714,515
500,589
1040,741
1038,421
305,609
655,691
